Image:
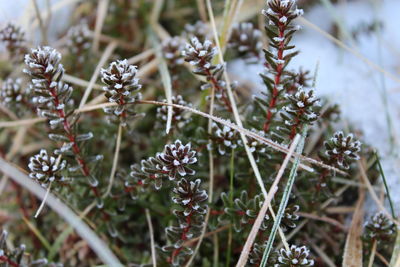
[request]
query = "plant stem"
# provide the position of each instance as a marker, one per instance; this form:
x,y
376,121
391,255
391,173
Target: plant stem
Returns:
x,y
372,256
277,78
70,135
232,171
7,260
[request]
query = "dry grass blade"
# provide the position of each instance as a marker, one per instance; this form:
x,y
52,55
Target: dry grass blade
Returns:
x,y
98,246
353,255
17,123
153,246
372,256
141,56
80,82
115,161
101,15
322,255
285,197
323,219
236,114
395,259
165,77
373,194
41,23
261,215
37,233
107,53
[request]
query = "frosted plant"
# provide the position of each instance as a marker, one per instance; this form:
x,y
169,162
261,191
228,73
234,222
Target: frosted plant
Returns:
x,y
300,110
246,40
178,115
178,118
172,49
190,199
122,88
294,257
256,147
225,138
200,55
46,169
174,161
79,41
200,30
52,97
15,256
379,228
11,92
14,40
245,210
341,150
176,158
280,30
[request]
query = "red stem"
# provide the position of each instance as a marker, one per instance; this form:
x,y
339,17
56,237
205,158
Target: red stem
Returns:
x,y
6,259
183,237
71,136
277,79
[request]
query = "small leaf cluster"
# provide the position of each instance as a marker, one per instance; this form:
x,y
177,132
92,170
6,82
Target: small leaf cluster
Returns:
x,y
46,168
379,228
200,55
14,257
190,199
13,38
179,118
246,40
341,150
175,160
299,110
244,211
79,42
122,88
294,257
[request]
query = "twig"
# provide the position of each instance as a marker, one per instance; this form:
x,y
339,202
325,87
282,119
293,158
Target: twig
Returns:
x,y
152,244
